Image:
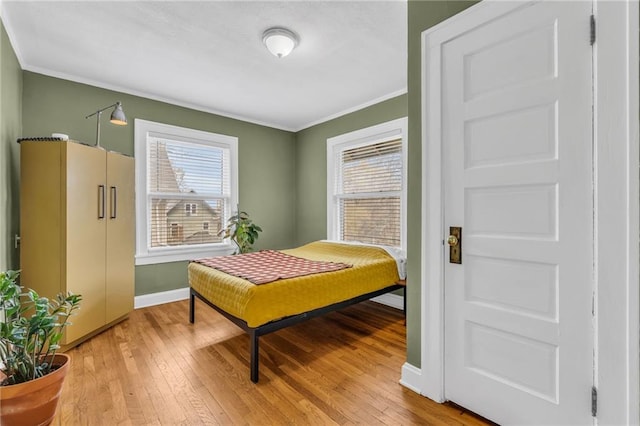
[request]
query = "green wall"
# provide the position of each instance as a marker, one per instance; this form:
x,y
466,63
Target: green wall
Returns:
x,y
421,16
266,155
311,160
10,130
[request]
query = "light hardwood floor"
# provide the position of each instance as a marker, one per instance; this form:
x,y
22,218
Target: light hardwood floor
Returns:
x,y
156,368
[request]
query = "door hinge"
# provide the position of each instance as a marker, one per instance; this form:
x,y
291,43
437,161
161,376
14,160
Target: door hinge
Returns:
x,y
594,401
592,36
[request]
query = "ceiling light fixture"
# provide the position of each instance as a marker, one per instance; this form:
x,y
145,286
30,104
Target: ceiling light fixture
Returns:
x,y
280,41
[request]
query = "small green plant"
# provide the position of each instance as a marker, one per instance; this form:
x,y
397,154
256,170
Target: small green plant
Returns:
x,y
242,231
31,328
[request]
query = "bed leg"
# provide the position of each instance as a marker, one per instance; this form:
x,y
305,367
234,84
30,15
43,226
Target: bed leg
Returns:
x,y
254,355
404,301
192,307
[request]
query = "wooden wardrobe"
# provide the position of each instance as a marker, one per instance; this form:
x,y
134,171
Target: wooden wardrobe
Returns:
x,y
77,228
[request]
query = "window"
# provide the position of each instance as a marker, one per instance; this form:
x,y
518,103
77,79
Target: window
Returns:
x,y
186,185
190,209
366,185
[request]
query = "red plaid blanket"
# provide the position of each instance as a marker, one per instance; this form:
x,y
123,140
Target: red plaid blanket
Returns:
x,y
269,265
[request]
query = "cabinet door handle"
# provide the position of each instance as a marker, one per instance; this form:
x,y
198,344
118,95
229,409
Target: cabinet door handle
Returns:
x,y
101,201
114,200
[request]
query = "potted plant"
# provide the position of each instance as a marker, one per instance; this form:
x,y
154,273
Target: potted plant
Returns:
x,y
242,231
31,372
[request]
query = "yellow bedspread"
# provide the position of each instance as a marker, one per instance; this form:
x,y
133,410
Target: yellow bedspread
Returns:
x,y
373,269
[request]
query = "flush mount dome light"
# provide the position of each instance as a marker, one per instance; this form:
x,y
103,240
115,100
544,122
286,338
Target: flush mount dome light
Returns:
x,y
279,41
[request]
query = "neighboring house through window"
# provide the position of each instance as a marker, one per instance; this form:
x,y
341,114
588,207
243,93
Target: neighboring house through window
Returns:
x,y
184,179
366,185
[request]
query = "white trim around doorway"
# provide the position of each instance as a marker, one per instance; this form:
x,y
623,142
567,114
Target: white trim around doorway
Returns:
x,y
616,215
617,200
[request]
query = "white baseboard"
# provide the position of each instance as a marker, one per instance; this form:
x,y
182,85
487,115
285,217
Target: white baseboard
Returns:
x,y
411,377
392,300
160,298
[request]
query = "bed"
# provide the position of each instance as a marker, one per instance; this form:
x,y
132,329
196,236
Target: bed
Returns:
x,y
260,308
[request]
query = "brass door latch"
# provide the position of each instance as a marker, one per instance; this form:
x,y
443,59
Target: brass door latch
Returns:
x,y
455,244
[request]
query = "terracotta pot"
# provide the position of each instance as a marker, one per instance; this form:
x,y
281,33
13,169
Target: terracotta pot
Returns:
x,y
34,402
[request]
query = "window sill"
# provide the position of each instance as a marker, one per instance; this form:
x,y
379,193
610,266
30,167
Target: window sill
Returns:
x,y
182,255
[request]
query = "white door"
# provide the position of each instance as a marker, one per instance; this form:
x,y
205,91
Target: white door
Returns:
x,y
517,175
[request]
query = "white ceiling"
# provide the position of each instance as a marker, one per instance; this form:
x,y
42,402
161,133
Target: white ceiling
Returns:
x,y
209,55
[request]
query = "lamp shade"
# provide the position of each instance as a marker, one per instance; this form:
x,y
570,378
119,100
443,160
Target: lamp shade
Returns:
x,y
117,116
279,41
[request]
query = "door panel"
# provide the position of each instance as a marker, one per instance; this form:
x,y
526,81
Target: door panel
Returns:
x,y
85,235
517,156
120,236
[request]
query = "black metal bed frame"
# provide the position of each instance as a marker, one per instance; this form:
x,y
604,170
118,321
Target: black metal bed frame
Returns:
x,y
256,332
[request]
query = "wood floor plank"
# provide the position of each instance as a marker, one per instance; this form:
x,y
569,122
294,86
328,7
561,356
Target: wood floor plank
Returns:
x,y
158,369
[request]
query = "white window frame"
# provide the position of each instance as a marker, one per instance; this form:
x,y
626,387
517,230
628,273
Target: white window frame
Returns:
x,y
146,255
390,130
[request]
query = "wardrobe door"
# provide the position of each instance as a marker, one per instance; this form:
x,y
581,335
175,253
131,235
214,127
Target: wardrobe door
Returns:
x,y
41,223
86,213
120,236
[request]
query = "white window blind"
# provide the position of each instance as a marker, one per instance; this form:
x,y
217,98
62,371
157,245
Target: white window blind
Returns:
x,y
368,192
189,185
